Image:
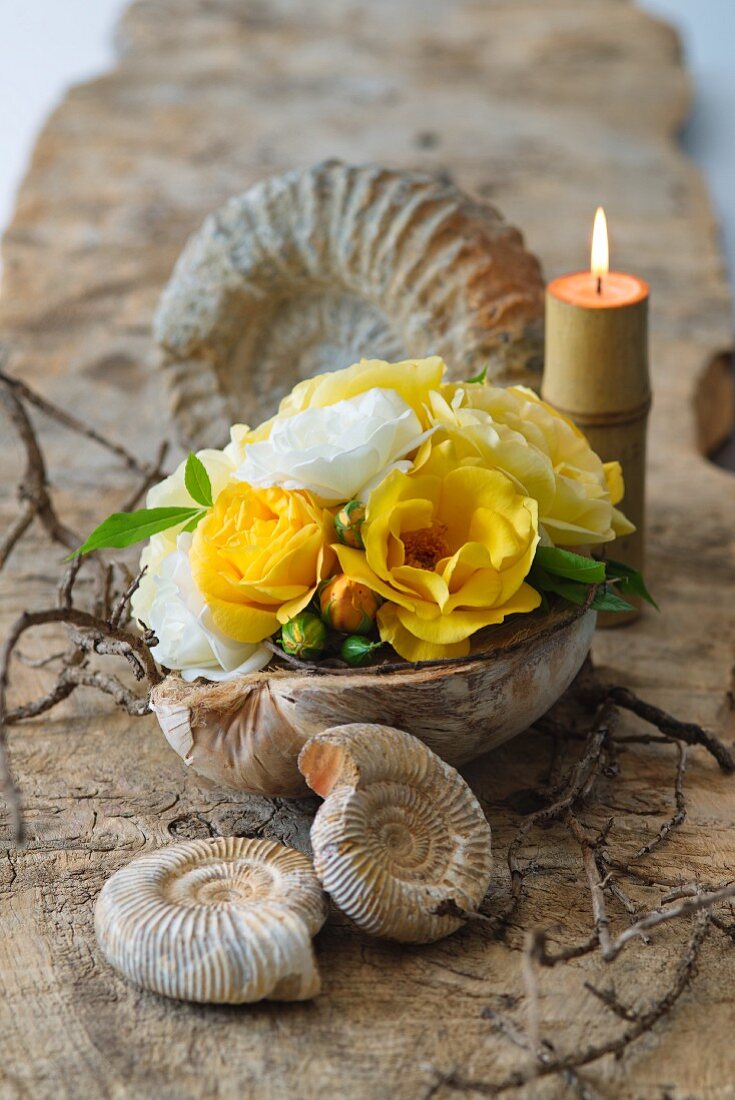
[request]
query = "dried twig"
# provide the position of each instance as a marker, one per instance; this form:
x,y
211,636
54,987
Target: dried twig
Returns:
x,y
123,602
671,727
33,487
598,759
25,393
702,901
98,632
595,883
575,791
642,1023
152,472
679,816
546,1053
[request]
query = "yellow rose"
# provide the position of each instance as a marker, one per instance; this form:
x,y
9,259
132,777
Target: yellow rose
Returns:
x,y
413,380
449,549
544,453
258,556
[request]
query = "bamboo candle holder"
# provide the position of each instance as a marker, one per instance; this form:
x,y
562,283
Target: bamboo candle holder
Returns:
x,y
596,373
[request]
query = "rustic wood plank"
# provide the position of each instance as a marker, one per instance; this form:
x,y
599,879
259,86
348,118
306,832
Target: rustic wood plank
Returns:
x,y
546,109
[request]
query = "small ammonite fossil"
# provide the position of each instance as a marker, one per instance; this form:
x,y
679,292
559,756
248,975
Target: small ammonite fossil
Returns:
x,y
400,843
228,920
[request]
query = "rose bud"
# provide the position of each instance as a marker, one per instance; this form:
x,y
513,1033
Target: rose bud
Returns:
x,y
357,651
304,636
347,605
348,523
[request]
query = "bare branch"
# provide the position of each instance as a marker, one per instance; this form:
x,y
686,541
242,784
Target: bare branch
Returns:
x,y
701,902
125,598
615,1045
594,882
16,531
94,634
579,782
666,723
33,487
679,816
21,390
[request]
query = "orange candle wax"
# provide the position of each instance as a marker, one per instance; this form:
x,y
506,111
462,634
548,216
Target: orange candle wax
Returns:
x,y
617,288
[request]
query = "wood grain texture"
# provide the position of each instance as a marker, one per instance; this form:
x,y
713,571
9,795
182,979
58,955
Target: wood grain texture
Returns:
x,y
546,109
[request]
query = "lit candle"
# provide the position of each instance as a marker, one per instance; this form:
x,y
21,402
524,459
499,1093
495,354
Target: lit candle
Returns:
x,y
596,372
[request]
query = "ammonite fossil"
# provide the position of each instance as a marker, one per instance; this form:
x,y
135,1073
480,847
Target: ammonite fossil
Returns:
x,y
317,268
227,920
400,842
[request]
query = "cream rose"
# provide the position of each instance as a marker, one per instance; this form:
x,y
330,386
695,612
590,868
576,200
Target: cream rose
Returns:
x,y
337,452
544,454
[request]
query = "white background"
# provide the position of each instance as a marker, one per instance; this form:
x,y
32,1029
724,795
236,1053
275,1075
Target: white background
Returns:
x,y
47,44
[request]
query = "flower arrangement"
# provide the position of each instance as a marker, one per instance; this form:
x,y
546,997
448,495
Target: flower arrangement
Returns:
x,y
382,506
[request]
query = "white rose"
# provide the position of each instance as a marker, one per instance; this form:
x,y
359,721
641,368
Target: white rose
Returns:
x,y
338,452
188,640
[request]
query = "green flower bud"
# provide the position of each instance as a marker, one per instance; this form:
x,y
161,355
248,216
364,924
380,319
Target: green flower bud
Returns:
x,y
348,523
304,636
356,650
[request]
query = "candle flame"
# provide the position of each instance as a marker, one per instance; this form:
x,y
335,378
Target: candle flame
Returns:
x,y
600,262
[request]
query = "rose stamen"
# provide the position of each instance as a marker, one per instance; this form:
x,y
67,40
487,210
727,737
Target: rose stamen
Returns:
x,y
423,549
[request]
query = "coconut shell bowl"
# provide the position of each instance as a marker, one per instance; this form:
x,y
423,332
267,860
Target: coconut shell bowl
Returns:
x,y
308,272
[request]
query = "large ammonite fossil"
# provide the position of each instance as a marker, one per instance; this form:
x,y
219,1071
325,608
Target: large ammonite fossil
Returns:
x,y
317,268
228,920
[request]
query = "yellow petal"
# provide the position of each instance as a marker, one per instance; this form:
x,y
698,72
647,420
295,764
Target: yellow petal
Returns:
x,y
621,525
614,481
454,626
412,379
288,610
407,645
243,622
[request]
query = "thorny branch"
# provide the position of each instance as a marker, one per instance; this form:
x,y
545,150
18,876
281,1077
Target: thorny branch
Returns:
x,y
602,872
102,631
639,1023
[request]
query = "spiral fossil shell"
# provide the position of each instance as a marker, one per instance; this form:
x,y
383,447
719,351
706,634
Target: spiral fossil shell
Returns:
x,y
226,920
317,268
246,734
399,834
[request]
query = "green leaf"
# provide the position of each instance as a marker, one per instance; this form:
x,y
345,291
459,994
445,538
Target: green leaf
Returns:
x,y
573,591
125,528
608,600
544,605
194,521
574,567
481,377
629,581
197,482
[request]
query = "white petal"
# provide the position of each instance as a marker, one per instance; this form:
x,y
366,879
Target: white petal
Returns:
x,y
335,451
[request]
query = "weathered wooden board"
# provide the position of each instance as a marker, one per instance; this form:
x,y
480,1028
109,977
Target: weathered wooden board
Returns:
x,y
547,108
